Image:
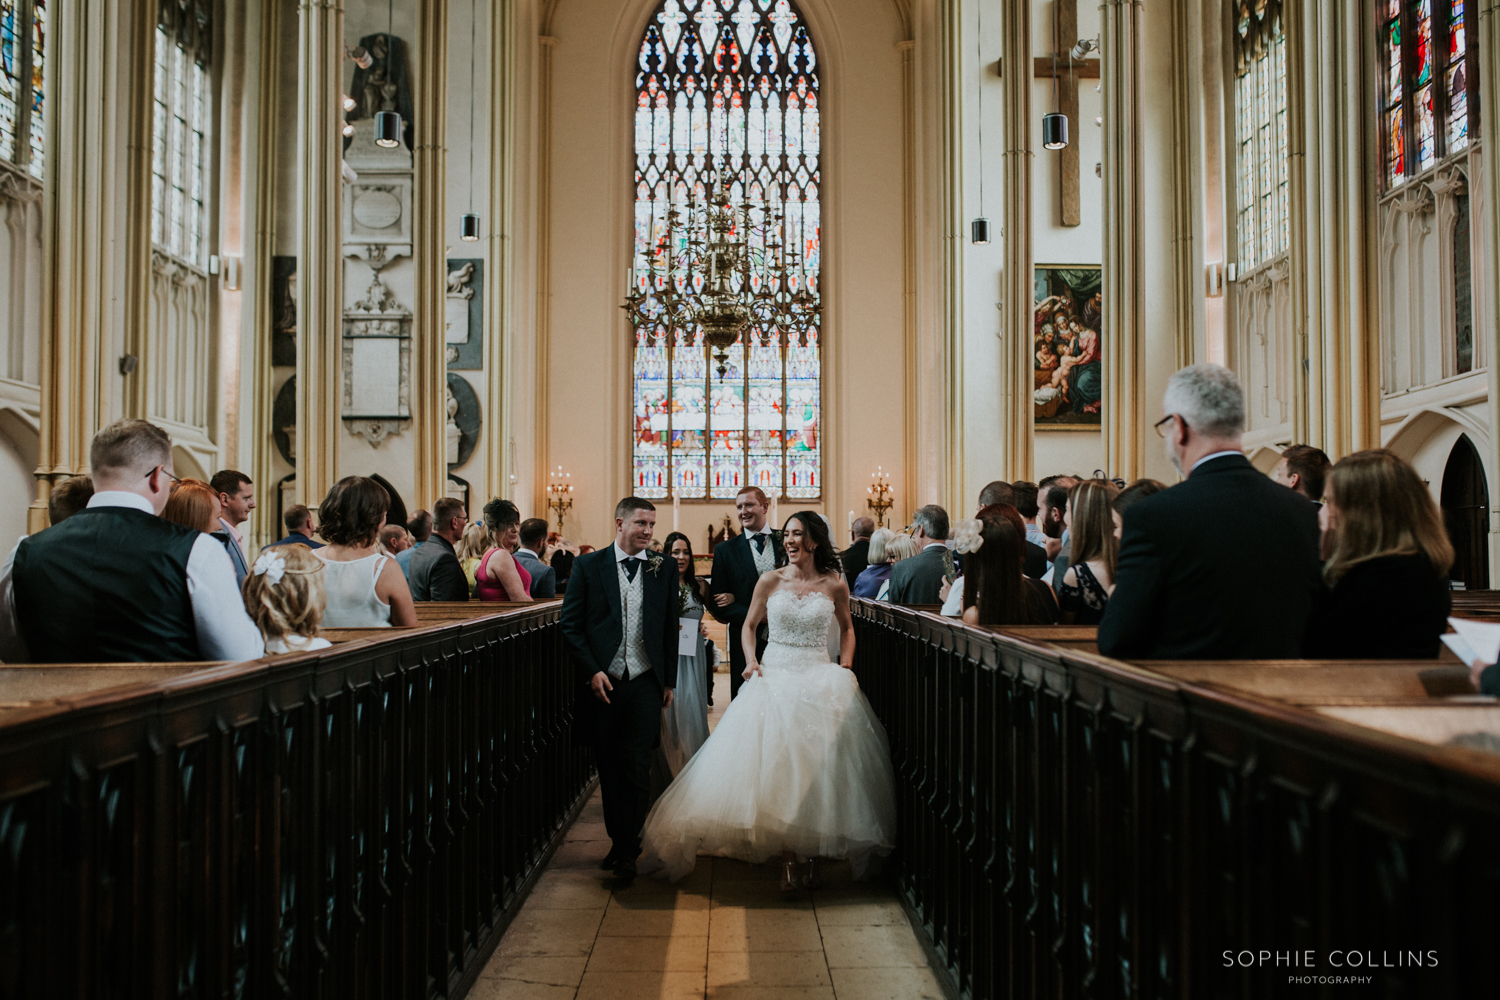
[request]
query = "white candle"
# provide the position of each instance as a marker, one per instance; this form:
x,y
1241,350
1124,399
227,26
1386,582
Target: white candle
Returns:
x,y
851,520
676,506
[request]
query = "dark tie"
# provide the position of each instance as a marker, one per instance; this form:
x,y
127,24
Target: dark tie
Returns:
x,y
631,565
760,544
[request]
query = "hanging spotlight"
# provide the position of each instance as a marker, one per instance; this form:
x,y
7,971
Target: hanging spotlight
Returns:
x,y
1054,130
468,223
348,103
468,227
348,129
979,232
387,129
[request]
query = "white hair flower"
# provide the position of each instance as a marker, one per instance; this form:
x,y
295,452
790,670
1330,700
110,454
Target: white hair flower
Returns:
x,y
966,535
271,565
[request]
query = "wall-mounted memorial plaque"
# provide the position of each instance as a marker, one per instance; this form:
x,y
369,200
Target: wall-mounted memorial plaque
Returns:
x,y
465,313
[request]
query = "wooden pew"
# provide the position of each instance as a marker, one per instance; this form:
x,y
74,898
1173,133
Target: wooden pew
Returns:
x,y
1481,605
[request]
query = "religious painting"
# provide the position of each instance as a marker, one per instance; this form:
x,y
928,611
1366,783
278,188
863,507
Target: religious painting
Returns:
x,y
1069,380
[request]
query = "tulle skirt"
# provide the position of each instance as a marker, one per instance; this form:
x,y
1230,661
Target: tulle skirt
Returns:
x,y
798,762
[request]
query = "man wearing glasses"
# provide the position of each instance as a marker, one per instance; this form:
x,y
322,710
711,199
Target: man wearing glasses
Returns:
x,y
1223,566
115,582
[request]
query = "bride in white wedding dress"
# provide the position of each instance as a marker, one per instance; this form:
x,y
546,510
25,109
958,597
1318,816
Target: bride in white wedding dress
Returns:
x,y
799,765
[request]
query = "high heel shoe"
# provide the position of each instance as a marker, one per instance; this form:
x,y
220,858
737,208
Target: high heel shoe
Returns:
x,y
789,882
812,880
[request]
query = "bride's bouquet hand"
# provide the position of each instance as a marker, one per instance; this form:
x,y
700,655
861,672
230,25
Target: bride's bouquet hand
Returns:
x,y
751,669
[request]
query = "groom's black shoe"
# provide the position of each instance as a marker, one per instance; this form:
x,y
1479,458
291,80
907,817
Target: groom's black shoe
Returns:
x,y
609,860
625,870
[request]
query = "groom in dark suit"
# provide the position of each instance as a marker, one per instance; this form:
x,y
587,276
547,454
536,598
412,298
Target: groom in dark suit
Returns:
x,y
620,618
738,564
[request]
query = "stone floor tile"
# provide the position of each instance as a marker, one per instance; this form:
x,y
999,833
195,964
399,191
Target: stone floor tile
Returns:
x,y
753,930
768,968
546,971
679,953
729,870
579,854
638,897
882,947
554,933
570,889
513,989
587,829
761,895
886,984
641,986
622,922
838,910
771,993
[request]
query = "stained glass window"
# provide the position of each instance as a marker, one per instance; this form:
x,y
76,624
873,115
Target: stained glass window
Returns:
x,y
179,151
1262,222
1429,89
23,36
727,90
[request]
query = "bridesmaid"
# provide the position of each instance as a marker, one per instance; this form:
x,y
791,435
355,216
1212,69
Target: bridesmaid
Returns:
x,y
684,724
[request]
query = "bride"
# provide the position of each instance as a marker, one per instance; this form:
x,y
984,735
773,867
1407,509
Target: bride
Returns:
x,y
799,765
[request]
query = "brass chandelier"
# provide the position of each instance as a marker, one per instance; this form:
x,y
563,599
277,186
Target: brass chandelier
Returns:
x,y
725,270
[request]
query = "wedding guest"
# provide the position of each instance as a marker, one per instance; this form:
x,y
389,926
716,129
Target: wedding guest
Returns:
x,y
1223,566
393,539
1028,507
919,580
299,528
533,536
1052,502
420,529
436,574
195,504
500,576
898,549
562,566
995,590
284,597
1303,468
857,556
684,724
1388,557
68,497
149,589
1085,587
875,575
738,565
364,587
236,500
1001,492
1129,497
470,549
953,594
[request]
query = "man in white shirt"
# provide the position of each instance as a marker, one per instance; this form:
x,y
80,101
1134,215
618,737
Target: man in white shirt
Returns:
x,y
115,582
237,500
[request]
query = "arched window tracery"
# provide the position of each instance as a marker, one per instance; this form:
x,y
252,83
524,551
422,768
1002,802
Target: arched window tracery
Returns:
x,y
726,89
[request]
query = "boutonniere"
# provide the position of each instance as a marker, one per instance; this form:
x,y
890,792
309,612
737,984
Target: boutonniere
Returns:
x,y
653,564
776,534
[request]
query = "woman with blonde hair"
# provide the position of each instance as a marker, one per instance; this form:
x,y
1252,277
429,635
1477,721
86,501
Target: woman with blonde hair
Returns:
x,y
1084,590
898,548
284,596
1387,560
471,549
878,565
193,504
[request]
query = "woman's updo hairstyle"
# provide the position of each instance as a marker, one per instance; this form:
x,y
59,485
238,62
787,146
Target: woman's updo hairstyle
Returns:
x,y
825,556
500,514
353,512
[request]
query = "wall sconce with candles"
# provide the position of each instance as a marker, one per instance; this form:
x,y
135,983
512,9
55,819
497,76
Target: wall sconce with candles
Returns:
x,y
881,495
560,495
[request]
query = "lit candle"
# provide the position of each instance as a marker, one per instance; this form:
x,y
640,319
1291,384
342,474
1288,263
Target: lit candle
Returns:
x,y
851,520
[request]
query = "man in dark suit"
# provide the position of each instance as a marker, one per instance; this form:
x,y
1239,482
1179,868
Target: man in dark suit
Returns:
x,y
436,574
1223,566
919,580
620,619
236,501
738,564
299,528
533,542
857,556
1000,492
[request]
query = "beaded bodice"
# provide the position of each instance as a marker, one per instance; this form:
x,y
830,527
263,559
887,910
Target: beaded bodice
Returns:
x,y
799,621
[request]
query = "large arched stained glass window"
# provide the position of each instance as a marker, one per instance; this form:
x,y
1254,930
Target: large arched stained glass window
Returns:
x,y
726,90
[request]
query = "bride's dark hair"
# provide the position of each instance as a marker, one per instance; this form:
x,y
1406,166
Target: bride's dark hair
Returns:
x,y
825,556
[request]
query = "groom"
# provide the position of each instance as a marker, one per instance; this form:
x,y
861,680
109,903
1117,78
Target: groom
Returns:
x,y
738,564
619,615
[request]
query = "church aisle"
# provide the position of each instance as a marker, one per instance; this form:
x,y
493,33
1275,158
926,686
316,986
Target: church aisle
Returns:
x,y
723,933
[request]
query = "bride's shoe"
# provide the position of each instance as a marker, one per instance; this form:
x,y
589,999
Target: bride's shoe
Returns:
x,y
812,880
789,881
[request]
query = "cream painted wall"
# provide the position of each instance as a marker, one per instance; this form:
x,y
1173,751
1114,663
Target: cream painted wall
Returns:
x,y
589,389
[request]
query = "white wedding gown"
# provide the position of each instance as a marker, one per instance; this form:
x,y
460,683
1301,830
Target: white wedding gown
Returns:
x,y
798,762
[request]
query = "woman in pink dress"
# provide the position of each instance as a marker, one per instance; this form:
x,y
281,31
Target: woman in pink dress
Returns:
x,y
499,577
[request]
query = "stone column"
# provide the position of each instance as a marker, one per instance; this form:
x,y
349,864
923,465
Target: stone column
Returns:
x,y
429,245
83,329
1488,39
256,279
320,278
499,328
138,208
1016,412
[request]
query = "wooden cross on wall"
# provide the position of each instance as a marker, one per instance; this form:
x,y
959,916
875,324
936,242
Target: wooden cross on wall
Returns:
x,y
1067,71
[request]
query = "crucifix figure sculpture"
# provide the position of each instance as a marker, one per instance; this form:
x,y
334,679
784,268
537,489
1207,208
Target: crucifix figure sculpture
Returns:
x,y
1066,71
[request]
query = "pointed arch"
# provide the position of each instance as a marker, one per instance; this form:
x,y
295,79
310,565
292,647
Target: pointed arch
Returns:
x,y
726,89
